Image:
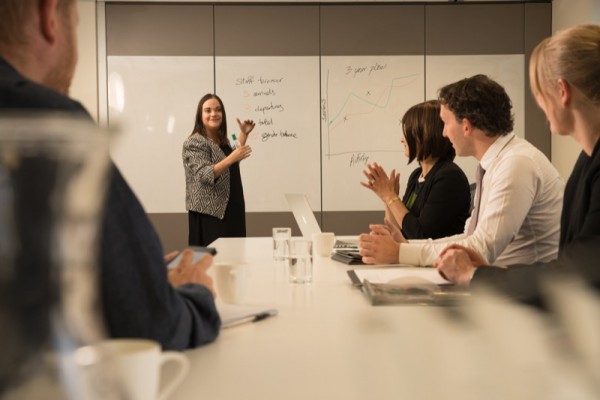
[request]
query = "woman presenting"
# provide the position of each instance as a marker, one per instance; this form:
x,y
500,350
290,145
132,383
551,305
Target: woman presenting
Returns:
x,y
437,198
214,197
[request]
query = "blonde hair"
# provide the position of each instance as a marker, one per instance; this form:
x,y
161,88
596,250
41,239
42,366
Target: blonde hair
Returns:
x,y
573,55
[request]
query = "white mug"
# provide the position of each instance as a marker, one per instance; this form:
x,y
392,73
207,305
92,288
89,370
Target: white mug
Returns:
x,y
323,243
232,281
134,365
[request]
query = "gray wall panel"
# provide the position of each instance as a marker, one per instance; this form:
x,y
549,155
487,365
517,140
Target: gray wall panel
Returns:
x,y
159,30
351,223
372,30
173,227
458,29
267,30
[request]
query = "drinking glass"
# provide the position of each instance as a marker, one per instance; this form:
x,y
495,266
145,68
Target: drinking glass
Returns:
x,y
299,260
53,174
280,242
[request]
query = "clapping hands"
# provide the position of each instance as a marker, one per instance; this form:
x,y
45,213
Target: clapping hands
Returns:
x,y
378,181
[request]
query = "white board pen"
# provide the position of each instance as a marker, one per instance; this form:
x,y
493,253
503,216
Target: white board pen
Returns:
x,y
236,142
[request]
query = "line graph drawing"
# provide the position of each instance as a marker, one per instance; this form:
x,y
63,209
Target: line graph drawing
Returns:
x,y
363,92
386,94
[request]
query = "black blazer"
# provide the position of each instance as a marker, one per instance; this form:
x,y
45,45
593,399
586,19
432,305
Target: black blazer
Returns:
x,y
137,299
442,206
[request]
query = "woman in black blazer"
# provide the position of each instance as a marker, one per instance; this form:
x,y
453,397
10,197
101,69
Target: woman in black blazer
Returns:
x,y
437,199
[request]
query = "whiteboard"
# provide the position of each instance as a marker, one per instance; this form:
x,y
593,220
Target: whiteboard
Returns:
x,y
319,120
281,95
153,101
363,101
506,69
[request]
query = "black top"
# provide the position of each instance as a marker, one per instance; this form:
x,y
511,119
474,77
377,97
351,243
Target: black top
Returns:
x,y
579,237
581,204
235,213
442,202
205,229
137,299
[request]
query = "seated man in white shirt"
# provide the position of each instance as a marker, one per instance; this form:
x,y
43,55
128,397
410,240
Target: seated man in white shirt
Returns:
x,y
516,215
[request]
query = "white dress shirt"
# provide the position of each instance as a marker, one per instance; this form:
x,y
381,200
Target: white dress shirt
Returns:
x,y
519,220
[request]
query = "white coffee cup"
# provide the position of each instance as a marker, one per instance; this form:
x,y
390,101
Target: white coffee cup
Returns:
x,y
134,365
323,243
232,281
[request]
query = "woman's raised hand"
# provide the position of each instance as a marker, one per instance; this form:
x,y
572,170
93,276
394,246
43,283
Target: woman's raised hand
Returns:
x,y
245,129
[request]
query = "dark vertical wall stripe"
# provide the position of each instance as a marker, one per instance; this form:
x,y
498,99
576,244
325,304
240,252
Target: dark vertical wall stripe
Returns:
x,y
537,25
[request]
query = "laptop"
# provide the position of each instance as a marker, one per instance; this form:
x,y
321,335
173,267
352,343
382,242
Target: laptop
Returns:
x,y
305,218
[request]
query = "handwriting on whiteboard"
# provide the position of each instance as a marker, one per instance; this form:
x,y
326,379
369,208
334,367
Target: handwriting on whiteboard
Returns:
x,y
261,94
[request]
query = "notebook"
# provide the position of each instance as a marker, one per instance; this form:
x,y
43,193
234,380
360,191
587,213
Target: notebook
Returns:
x,y
305,218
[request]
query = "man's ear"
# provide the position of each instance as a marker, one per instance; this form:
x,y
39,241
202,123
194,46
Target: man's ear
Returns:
x,y
564,92
48,19
467,127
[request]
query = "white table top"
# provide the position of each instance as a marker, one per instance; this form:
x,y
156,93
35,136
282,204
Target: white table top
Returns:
x,y
326,342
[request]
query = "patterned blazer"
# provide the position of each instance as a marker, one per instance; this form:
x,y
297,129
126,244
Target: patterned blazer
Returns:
x,y
204,194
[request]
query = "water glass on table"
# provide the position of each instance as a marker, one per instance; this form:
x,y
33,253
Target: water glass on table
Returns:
x,y
299,260
281,236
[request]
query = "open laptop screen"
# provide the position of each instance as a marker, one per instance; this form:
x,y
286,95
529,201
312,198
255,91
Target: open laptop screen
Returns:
x,y
305,218
303,214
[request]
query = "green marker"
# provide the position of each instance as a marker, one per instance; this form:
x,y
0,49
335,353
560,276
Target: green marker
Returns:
x,y
235,141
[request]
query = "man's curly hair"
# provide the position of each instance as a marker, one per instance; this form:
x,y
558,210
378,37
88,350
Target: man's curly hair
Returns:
x,y
482,101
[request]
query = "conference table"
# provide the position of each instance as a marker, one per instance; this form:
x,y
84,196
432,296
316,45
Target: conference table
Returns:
x,y
329,342
326,342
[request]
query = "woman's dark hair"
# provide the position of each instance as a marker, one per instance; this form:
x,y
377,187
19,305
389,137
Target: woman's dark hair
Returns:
x,y
423,130
199,125
482,101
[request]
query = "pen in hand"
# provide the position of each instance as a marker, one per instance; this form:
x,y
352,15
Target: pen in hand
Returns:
x,y
236,142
